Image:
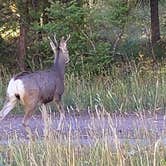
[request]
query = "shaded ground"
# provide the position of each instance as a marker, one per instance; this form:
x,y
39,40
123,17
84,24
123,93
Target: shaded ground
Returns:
x,y
89,127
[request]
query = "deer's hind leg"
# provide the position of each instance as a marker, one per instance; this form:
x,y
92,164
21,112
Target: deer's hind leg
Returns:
x,y
29,110
28,114
8,106
29,101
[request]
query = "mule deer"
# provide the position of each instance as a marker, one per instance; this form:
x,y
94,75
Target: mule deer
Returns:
x,y
40,87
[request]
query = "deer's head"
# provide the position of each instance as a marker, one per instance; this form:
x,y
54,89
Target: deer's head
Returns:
x,y
60,48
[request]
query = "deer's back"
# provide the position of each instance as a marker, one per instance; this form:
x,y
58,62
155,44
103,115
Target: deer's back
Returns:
x,y
45,83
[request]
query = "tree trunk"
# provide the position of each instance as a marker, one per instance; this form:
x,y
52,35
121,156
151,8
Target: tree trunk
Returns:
x,y
22,48
155,27
23,7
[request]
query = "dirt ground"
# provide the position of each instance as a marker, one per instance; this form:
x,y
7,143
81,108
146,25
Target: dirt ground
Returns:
x,y
88,126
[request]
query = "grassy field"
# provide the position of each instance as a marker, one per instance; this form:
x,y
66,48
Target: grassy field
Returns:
x,y
133,89
60,150
129,89
50,153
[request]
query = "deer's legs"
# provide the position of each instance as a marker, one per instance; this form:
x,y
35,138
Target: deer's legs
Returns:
x,y
61,111
62,114
30,102
27,116
8,106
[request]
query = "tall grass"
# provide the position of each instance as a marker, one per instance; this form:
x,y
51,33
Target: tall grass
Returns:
x,y
54,154
139,89
66,149
136,89
127,88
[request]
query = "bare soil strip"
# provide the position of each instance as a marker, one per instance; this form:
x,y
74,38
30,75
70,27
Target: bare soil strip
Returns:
x,y
87,128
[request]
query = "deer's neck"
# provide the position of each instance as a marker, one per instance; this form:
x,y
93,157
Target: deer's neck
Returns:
x,y
59,64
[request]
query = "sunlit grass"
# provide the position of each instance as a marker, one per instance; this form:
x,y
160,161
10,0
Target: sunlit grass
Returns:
x,y
66,149
48,153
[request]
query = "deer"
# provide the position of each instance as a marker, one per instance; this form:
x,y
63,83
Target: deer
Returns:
x,y
39,87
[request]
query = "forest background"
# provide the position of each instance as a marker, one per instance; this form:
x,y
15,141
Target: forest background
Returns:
x,y
117,49
103,33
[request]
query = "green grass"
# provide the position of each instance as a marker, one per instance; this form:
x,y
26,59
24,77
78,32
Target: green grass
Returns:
x,y
140,89
131,88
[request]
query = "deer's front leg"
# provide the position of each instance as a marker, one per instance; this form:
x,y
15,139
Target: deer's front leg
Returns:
x,y
61,111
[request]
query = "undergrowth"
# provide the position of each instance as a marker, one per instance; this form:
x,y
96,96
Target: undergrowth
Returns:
x,y
129,87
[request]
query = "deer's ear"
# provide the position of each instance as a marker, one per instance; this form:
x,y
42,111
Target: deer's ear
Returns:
x,y
62,44
55,41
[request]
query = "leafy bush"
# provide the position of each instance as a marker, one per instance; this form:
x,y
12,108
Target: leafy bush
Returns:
x,y
87,51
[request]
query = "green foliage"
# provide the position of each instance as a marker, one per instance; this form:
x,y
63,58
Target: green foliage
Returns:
x,y
73,19
118,12
39,55
86,46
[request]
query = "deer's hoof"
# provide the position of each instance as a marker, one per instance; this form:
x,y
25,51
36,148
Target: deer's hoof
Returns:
x,y
1,117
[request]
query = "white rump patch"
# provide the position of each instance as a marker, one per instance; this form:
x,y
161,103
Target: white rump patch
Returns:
x,y
15,87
